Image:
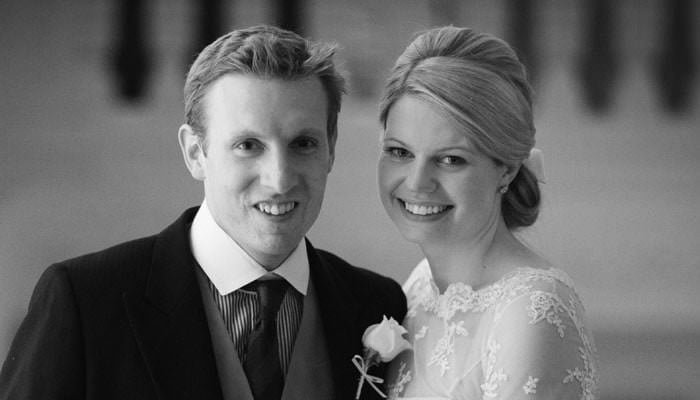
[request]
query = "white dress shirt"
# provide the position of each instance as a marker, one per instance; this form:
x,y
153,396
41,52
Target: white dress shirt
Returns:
x,y
229,267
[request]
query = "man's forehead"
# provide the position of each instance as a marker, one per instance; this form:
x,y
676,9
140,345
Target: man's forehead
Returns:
x,y
244,88
241,103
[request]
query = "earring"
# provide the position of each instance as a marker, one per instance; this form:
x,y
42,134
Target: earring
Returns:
x,y
503,189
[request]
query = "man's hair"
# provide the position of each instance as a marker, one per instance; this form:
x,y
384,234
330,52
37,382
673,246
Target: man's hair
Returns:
x,y
266,52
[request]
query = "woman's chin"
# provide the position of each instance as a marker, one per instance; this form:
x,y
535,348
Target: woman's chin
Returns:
x,y
416,236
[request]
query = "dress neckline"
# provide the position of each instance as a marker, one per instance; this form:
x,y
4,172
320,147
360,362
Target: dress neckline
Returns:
x,y
422,290
517,271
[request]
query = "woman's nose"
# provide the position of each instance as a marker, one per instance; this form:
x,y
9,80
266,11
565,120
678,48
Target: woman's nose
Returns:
x,y
420,178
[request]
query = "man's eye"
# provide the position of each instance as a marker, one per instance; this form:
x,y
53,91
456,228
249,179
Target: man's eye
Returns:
x,y
397,152
305,145
248,146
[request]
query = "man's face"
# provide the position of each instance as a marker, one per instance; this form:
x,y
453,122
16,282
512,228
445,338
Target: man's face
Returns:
x,y
266,161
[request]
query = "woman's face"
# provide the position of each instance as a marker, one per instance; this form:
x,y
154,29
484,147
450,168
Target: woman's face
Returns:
x,y
433,182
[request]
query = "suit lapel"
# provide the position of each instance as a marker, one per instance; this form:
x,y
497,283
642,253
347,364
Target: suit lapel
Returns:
x,y
309,376
345,318
169,323
339,310
234,383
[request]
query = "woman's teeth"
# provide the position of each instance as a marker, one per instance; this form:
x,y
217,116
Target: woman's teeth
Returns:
x,y
424,210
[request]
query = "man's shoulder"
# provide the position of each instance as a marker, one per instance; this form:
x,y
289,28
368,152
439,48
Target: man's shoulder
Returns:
x,y
121,254
343,267
135,250
116,267
127,261
362,280
375,294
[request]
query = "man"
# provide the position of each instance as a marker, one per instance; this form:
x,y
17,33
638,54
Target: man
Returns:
x,y
230,301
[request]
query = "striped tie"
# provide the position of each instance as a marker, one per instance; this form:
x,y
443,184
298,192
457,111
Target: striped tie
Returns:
x,y
239,310
262,363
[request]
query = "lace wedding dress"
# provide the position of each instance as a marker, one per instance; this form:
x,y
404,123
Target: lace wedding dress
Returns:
x,y
522,337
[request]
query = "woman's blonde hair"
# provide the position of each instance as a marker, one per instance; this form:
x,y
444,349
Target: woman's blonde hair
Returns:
x,y
476,81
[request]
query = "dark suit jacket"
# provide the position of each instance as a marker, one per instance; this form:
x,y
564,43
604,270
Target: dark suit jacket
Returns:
x,y
128,323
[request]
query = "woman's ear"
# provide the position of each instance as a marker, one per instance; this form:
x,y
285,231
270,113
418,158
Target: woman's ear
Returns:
x,y
509,173
192,151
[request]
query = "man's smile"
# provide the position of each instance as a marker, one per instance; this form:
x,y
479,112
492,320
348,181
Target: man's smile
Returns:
x,y
276,208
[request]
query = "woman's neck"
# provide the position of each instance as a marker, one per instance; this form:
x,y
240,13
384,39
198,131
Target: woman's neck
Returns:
x,y
476,263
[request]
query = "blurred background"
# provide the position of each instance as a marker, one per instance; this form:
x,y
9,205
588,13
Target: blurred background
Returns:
x,y
91,103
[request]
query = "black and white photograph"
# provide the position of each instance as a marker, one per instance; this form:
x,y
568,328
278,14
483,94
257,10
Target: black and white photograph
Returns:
x,y
388,199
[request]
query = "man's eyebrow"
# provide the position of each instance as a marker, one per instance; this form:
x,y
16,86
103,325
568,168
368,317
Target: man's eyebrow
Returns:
x,y
311,132
237,134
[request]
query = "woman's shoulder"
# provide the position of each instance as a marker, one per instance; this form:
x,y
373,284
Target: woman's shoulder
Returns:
x,y
540,277
541,324
529,271
532,285
542,332
540,295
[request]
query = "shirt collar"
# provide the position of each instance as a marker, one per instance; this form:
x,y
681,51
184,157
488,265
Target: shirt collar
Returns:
x,y
229,267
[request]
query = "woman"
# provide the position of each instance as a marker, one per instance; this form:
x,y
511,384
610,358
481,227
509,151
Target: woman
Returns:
x,y
488,317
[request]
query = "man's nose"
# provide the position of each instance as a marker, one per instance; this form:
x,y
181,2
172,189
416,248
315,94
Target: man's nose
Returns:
x,y
279,173
420,177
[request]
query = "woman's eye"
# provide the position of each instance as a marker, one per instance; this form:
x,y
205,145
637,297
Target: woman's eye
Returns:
x,y
452,160
397,152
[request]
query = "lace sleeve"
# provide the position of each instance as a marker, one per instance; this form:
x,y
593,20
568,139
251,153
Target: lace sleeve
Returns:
x,y
539,348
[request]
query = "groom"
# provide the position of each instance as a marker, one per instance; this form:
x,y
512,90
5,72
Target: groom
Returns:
x,y
230,301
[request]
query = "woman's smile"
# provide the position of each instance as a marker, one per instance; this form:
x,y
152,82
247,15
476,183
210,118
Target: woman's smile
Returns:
x,y
423,210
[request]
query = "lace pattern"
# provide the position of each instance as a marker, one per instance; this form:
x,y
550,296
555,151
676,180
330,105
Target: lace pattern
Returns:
x,y
550,299
530,387
547,306
397,387
492,376
446,346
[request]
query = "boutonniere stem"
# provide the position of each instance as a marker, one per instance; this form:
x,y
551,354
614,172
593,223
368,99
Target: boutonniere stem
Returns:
x,y
363,366
382,342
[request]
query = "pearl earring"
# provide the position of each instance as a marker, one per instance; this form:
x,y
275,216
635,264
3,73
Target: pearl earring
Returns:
x,y
503,189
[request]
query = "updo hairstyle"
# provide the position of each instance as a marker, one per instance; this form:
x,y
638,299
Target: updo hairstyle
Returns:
x,y
476,81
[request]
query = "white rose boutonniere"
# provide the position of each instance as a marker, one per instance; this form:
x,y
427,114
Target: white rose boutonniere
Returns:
x,y
382,342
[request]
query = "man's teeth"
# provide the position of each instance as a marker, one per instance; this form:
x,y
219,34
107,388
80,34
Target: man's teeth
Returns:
x,y
424,210
276,208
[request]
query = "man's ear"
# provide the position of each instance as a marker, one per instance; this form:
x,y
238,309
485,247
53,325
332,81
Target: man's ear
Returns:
x,y
331,150
192,151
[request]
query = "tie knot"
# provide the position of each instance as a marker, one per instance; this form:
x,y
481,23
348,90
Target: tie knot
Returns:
x,y
270,294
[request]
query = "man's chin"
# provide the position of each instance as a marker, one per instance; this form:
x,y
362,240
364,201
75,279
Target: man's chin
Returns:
x,y
271,251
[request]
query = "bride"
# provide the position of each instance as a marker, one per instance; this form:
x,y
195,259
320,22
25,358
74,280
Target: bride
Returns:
x,y
488,317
